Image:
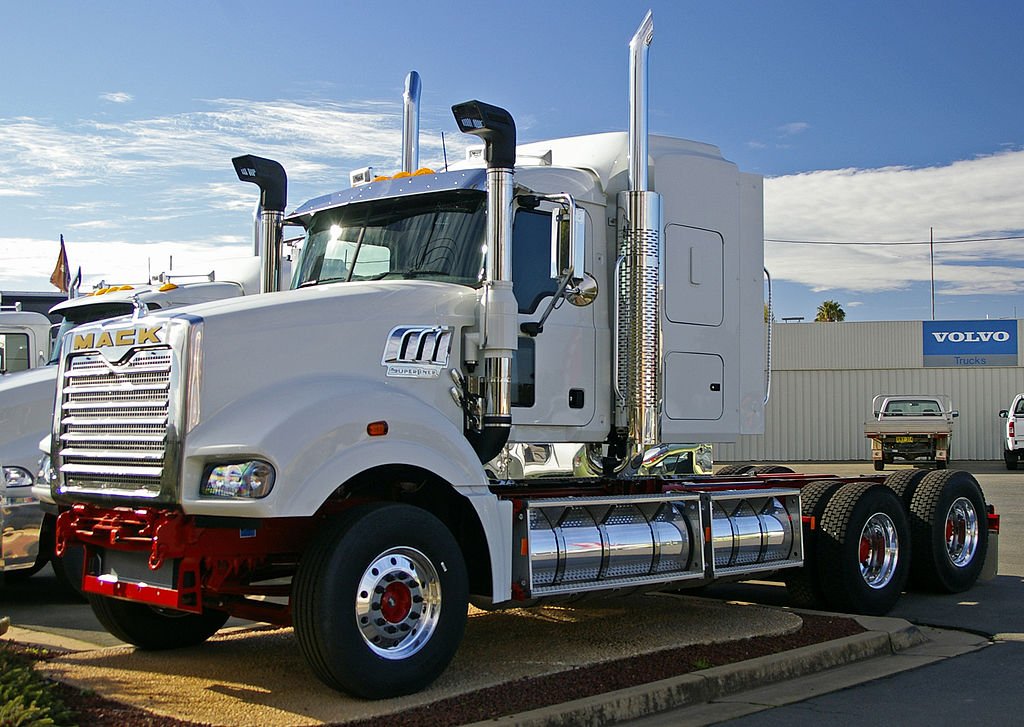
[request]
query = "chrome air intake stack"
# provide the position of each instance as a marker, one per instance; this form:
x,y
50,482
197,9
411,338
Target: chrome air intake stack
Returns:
x,y
499,333
411,123
637,272
273,183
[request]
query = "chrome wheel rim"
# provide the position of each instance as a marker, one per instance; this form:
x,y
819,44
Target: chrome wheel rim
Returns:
x,y
398,603
962,532
879,550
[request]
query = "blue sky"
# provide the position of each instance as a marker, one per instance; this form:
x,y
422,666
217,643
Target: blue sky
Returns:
x,y
871,121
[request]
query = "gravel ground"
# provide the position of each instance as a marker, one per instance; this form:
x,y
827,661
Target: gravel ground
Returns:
x,y
519,694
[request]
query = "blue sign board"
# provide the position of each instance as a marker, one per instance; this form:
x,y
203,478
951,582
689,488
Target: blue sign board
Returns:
x,y
970,343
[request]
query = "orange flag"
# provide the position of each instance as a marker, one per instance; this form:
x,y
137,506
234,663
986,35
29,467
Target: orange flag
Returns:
x,y
61,274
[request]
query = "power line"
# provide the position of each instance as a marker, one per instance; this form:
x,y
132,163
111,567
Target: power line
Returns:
x,y
911,242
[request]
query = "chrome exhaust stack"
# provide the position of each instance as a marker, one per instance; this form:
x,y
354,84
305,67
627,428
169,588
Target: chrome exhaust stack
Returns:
x,y
499,334
411,123
637,273
273,183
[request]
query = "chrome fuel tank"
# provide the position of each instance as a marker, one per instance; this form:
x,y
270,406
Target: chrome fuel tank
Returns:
x,y
578,544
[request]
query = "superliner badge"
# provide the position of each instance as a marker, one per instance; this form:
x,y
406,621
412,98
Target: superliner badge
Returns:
x,y
417,352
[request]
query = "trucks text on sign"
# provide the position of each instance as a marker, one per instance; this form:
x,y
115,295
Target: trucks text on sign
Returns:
x,y
969,343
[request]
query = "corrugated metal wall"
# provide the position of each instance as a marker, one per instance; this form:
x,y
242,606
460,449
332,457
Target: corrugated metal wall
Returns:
x,y
825,375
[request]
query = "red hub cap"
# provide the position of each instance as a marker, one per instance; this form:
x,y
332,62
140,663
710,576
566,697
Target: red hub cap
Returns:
x,y
396,602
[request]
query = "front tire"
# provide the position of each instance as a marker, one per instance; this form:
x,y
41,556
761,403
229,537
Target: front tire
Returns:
x,y
380,600
149,627
949,531
864,548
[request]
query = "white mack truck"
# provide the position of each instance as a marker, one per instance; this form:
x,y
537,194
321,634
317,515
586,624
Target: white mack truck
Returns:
x,y
322,456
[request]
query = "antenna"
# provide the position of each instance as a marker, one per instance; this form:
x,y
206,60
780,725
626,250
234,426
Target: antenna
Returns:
x,y
445,152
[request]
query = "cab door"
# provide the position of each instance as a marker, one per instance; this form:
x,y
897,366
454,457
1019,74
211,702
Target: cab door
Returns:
x,y
553,372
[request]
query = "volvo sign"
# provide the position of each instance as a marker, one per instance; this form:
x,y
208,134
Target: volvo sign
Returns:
x,y
970,343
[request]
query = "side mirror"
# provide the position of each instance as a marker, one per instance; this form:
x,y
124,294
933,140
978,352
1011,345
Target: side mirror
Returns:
x,y
568,228
955,413
1003,413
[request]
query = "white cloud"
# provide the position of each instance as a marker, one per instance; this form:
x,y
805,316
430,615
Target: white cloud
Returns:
x,y
966,199
795,127
117,97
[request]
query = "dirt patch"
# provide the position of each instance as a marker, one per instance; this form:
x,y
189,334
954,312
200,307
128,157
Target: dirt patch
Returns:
x,y
527,693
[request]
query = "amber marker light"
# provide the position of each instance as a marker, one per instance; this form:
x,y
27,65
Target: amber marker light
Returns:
x,y
377,429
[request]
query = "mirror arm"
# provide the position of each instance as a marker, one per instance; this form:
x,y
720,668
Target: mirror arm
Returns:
x,y
533,328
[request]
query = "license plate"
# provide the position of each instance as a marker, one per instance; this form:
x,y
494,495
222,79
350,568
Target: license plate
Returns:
x,y
904,440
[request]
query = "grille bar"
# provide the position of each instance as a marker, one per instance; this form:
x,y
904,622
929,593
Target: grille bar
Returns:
x,y
110,470
72,453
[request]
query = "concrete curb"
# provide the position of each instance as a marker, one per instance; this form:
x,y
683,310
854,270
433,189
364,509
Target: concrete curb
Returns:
x,y
886,636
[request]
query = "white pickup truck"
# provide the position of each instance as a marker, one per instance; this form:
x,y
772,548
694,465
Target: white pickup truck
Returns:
x,y
1013,440
911,427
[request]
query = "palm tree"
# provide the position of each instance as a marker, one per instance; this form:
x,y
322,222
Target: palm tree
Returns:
x,y
830,311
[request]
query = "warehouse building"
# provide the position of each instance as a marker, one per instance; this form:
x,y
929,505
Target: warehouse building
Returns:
x,y
824,376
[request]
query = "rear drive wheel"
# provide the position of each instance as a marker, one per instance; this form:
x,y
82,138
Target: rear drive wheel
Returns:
x,y
803,584
879,465
770,469
1010,458
863,546
380,600
734,469
903,483
949,531
149,627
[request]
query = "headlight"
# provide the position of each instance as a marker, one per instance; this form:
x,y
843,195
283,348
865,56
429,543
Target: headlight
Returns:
x,y
704,459
253,479
17,477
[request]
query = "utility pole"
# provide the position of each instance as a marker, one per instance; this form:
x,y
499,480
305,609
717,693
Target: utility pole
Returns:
x,y
931,248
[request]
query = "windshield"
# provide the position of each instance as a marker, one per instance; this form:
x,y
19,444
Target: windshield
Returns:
x,y
75,317
430,236
913,408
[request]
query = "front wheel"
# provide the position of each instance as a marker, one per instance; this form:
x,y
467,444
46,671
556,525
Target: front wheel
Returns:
x,y
949,530
149,627
863,545
380,600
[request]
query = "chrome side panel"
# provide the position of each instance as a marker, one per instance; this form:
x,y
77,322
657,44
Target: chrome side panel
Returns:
x,y
572,545
754,531
569,545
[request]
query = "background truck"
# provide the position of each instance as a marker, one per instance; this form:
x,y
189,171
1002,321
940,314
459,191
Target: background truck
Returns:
x,y
910,427
322,456
1013,441
24,339
26,398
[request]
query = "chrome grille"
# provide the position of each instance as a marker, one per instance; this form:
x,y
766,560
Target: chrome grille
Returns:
x,y
114,422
